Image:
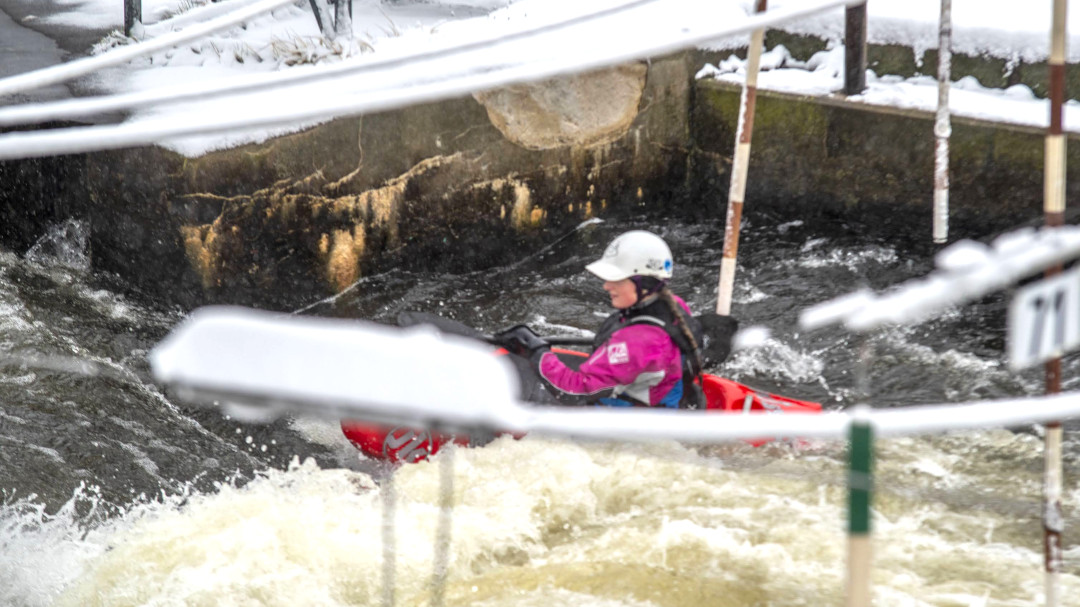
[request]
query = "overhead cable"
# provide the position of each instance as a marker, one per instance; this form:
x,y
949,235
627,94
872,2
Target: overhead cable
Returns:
x,y
80,67
401,85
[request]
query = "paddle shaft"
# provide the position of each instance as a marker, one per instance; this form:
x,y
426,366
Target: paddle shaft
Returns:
x,y
555,340
719,330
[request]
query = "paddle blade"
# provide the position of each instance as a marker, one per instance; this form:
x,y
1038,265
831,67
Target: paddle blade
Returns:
x,y
334,368
411,318
719,331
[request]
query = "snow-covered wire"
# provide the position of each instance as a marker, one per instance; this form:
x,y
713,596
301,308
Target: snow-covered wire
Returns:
x,y
430,77
263,365
195,15
75,108
80,67
967,271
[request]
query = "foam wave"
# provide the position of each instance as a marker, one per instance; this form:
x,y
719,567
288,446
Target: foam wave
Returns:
x,y
537,520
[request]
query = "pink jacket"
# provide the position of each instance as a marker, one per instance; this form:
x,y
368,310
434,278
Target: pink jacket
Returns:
x,y
639,360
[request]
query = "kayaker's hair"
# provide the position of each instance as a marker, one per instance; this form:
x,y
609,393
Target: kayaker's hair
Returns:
x,y
677,312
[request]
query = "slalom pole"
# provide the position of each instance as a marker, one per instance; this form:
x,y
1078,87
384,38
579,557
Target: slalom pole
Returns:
x,y
1054,210
389,541
739,168
441,561
942,126
860,496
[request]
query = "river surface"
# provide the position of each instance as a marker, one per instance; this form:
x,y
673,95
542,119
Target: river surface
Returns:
x,y
113,494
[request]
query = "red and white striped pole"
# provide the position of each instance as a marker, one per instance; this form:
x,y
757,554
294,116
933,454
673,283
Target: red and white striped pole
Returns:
x,y
1054,210
740,168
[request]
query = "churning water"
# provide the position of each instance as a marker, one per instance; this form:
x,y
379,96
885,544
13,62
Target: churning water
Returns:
x,y
113,494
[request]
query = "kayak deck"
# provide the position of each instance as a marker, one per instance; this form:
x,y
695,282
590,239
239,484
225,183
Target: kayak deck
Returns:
x,y
409,445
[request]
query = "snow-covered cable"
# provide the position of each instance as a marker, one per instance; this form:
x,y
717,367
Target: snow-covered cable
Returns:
x,y
646,424
80,67
195,15
266,364
492,68
967,271
75,108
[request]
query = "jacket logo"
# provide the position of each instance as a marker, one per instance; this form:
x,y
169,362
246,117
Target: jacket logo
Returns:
x,y
617,353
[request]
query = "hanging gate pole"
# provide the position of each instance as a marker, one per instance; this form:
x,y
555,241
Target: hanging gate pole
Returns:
x,y
739,169
389,542
1054,210
942,126
860,496
441,561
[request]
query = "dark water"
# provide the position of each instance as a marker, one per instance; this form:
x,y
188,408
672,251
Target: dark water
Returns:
x,y
87,439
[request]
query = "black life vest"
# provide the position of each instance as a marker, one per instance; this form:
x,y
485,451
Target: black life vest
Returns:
x,y
660,314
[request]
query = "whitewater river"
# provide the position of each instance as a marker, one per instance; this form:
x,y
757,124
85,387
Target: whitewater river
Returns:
x,y
112,493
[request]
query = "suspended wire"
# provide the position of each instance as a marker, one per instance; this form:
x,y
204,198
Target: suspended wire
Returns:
x,y
493,69
80,67
75,108
195,15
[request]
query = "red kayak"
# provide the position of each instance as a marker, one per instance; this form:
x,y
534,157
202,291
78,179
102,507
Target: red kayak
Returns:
x,y
409,445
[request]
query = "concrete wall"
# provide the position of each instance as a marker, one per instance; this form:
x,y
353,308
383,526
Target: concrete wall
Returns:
x,y
827,155
448,186
473,182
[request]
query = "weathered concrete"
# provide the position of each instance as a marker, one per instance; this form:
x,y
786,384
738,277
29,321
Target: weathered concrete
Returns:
x,y
823,155
442,186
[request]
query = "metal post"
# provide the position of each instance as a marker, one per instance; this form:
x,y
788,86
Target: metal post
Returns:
x,y
132,15
323,18
1054,211
860,496
740,168
855,49
942,126
343,19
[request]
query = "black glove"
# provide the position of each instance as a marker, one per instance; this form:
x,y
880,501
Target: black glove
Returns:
x,y
521,340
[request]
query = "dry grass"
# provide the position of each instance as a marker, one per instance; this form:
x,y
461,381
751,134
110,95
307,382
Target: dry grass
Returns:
x,y
301,50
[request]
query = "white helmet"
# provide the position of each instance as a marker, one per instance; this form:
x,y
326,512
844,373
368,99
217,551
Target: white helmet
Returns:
x,y
634,253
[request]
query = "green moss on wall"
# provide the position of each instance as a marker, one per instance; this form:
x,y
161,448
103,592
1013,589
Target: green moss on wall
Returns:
x,y
893,59
800,46
833,152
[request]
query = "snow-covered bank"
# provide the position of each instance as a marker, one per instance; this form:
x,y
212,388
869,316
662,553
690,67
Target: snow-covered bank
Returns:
x,y
289,37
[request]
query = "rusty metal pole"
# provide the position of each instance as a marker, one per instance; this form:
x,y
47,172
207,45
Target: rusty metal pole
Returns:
x,y
943,126
1054,210
740,168
855,49
132,14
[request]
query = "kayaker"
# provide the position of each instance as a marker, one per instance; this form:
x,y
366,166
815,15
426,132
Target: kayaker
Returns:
x,y
645,354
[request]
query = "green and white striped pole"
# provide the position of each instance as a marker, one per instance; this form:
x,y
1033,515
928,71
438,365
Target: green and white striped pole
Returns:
x,y
860,496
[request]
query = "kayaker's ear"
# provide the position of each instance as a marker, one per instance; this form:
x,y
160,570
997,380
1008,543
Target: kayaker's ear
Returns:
x,y
719,331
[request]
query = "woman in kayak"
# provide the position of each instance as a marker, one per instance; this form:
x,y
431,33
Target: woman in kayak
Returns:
x,y
645,354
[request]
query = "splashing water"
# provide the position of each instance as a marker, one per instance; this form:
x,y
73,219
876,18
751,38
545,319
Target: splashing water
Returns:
x,y
115,495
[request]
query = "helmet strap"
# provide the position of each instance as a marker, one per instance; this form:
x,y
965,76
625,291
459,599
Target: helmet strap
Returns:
x,y
646,287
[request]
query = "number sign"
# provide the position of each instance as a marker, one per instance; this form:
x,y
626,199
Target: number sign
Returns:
x,y
1044,320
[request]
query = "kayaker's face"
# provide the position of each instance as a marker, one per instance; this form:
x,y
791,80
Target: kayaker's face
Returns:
x,y
623,293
